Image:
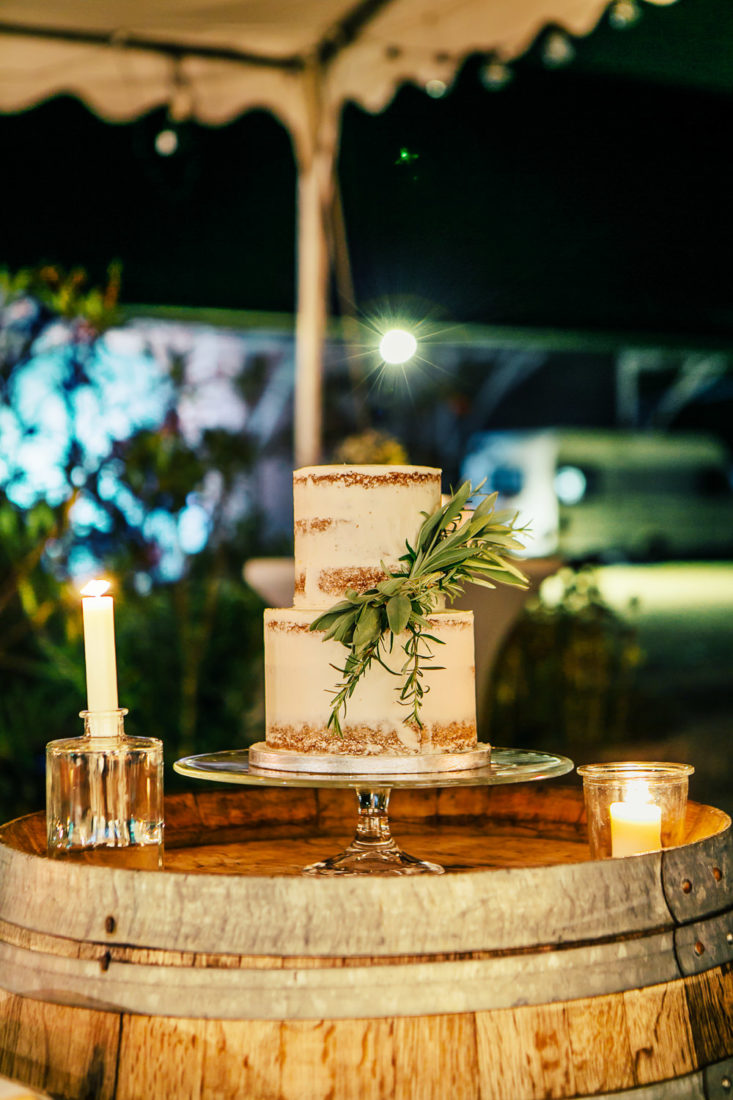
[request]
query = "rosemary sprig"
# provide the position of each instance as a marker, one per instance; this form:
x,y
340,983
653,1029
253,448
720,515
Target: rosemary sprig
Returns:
x,y
449,551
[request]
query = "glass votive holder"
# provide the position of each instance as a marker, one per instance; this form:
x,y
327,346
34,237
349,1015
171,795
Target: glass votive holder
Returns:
x,y
104,795
634,807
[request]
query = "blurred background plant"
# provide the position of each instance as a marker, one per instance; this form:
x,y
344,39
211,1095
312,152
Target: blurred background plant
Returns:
x,y
370,447
100,476
565,679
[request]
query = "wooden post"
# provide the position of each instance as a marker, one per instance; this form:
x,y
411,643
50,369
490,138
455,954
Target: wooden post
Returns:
x,y
316,149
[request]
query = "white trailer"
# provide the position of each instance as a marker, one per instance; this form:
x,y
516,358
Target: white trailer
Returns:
x,y
610,495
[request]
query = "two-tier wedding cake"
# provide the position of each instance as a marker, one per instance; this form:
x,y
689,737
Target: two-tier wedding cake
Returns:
x,y
352,526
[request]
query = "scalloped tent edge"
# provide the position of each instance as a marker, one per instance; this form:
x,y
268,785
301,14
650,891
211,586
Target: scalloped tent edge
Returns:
x,y
212,60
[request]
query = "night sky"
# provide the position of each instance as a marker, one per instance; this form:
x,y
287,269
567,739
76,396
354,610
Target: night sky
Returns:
x,y
596,196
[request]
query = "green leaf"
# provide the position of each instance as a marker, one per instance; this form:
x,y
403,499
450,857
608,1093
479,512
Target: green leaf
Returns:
x,y
323,621
390,587
428,529
485,506
399,609
457,503
419,620
342,629
367,627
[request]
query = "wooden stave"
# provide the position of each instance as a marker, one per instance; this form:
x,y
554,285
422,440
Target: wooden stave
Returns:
x,y
617,1046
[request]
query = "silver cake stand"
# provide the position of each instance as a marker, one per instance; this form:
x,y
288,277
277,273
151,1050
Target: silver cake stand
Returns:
x,y
373,850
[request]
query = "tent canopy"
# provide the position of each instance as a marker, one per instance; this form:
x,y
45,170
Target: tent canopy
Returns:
x,y
124,57
301,59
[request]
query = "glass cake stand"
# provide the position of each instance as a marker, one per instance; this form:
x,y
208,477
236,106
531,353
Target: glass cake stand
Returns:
x,y
373,850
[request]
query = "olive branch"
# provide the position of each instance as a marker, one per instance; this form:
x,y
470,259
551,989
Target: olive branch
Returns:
x,y
449,551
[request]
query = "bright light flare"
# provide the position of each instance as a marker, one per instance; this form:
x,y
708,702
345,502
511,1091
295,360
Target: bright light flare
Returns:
x,y
95,588
397,346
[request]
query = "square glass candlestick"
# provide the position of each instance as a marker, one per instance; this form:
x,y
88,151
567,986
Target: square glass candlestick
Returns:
x,y
633,807
104,795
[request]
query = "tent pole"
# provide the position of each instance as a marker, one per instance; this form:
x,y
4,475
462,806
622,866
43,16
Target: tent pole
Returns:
x,y
316,162
311,319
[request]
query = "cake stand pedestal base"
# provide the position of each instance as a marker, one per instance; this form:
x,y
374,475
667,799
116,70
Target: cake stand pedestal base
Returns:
x,y
373,851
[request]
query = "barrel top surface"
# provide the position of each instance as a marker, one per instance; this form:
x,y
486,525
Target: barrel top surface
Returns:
x,y
517,863
274,832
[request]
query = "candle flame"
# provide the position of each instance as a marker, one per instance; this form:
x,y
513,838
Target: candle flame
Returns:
x,y
637,792
95,588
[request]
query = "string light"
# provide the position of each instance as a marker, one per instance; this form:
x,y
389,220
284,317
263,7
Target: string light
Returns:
x,y
557,50
166,142
623,14
180,111
495,74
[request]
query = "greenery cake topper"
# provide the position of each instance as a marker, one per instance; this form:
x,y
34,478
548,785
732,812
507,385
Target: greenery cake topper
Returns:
x,y
449,550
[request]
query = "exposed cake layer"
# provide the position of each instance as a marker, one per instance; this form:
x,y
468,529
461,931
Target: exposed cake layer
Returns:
x,y
350,519
301,675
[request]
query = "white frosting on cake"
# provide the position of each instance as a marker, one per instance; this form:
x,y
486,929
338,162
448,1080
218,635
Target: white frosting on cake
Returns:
x,y
349,519
301,675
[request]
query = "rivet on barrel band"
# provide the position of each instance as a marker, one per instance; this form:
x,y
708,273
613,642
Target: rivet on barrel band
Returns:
x,y
704,944
718,1080
696,882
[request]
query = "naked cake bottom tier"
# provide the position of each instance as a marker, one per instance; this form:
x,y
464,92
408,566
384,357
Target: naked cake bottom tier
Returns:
x,y
302,674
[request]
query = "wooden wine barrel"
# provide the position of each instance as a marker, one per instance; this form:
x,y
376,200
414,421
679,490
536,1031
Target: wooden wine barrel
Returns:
x,y
526,971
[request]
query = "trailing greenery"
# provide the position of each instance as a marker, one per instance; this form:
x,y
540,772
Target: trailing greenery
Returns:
x,y
451,548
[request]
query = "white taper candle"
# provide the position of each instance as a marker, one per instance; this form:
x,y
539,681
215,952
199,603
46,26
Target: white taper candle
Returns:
x,y
99,647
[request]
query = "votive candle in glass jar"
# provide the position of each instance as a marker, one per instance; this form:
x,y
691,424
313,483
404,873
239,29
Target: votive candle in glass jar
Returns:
x,y
633,807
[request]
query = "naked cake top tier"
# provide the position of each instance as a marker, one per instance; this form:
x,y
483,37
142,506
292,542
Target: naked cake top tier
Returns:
x,y
341,538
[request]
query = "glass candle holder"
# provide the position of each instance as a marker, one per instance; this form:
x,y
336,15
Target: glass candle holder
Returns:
x,y
104,795
634,806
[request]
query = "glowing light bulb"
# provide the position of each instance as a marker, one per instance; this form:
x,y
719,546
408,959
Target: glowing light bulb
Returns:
x,y
495,75
166,143
557,50
397,346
